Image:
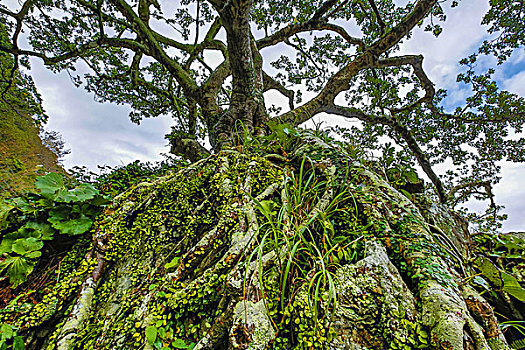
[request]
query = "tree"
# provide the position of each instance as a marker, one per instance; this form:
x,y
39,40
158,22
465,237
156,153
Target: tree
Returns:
x,y
152,56
290,240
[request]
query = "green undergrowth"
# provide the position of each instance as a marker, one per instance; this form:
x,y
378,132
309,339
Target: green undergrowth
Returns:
x,y
52,215
173,277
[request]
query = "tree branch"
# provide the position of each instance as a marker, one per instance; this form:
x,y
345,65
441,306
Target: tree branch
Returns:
x,y
287,32
470,186
378,16
400,130
416,61
340,80
272,84
155,49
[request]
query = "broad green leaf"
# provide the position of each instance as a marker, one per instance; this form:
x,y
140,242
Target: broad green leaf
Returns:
x,y
7,245
33,255
81,193
49,184
65,196
84,192
411,176
5,209
74,226
44,230
513,287
489,270
6,331
23,205
18,267
23,246
179,344
99,200
151,334
18,343
61,213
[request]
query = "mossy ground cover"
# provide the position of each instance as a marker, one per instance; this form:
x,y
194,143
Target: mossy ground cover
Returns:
x,y
297,249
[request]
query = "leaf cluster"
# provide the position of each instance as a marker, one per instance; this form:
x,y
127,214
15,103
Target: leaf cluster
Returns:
x,y
26,222
9,338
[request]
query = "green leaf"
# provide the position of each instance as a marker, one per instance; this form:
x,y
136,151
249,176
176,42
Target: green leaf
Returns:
x,y
23,205
73,227
60,213
411,176
49,184
25,245
7,245
33,255
174,262
6,331
512,286
65,196
18,343
151,334
179,344
44,230
267,206
5,209
18,267
84,192
489,270
99,200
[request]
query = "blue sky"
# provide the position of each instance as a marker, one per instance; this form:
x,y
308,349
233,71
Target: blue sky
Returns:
x,y
99,134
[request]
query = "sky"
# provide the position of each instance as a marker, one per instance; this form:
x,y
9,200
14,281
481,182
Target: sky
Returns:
x,y
102,134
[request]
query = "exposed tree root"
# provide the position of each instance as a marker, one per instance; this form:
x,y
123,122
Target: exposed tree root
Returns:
x,y
206,256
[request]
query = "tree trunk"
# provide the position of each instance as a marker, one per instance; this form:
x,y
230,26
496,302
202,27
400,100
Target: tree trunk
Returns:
x,y
247,110
241,251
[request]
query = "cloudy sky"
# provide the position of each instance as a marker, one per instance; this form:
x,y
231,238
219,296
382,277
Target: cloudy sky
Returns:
x,y
99,134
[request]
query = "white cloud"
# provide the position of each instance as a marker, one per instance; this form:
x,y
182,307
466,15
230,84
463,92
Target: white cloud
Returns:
x,y
516,84
97,133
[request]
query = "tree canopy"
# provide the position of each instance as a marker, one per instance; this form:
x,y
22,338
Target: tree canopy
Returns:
x,y
203,62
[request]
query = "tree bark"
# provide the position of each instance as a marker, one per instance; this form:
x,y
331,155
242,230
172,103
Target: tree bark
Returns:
x,y
247,110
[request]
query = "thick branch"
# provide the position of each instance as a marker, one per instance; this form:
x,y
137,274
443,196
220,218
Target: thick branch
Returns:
x,y
287,32
416,61
339,81
155,49
272,84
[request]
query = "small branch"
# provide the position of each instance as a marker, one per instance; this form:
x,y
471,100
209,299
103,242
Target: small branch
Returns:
x,y
378,16
471,188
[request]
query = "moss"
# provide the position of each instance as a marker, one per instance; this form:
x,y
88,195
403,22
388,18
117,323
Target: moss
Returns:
x,y
188,248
